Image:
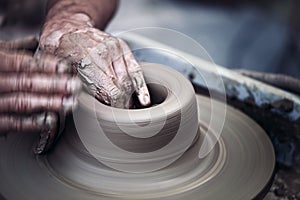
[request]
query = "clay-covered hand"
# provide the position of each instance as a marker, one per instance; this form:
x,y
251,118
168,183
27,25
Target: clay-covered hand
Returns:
x,y
105,63
33,91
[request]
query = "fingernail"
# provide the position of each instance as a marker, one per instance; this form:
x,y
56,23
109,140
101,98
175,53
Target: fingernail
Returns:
x,y
144,99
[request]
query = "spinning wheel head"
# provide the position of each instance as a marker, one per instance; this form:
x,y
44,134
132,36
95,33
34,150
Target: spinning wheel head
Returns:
x,y
110,153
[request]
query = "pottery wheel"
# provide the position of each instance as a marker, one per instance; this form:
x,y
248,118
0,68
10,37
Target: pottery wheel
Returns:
x,y
240,166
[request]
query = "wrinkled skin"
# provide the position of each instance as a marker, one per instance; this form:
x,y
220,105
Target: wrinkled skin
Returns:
x,y
104,63
39,90
36,92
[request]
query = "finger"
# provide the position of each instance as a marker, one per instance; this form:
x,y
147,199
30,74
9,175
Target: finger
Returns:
x,y
101,87
39,83
99,54
45,123
105,80
136,75
27,103
16,61
120,69
94,65
29,43
48,134
17,123
100,57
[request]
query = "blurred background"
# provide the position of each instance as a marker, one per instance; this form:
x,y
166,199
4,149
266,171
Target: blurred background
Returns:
x,y
262,35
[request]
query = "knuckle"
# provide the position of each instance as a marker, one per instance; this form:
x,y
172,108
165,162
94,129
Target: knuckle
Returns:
x,y
105,55
103,96
121,42
126,86
114,46
102,50
119,99
85,62
86,75
135,70
112,40
101,47
91,88
133,65
115,94
135,74
138,80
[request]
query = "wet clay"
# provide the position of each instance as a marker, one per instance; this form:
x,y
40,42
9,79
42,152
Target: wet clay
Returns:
x,y
240,166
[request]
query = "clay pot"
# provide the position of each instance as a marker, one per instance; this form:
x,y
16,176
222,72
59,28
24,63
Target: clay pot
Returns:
x,y
141,140
239,166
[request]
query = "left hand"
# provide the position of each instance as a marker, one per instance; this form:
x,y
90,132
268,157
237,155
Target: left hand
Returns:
x,y
36,92
105,63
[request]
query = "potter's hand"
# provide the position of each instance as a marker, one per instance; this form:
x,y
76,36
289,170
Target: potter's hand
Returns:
x,y
33,91
105,63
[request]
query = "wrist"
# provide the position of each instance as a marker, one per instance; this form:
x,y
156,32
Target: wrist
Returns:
x,y
60,24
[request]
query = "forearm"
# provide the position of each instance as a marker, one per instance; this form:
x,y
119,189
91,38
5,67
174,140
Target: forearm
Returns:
x,y
99,11
67,16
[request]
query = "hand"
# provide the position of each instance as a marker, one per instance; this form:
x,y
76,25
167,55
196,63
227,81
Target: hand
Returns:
x,y
34,91
105,63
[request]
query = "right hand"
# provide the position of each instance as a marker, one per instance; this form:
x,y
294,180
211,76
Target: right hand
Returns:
x,y
35,93
105,63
